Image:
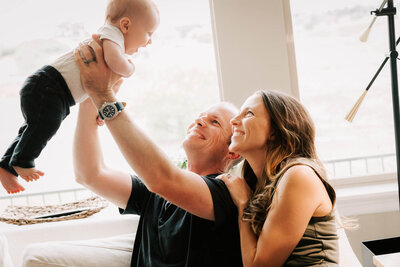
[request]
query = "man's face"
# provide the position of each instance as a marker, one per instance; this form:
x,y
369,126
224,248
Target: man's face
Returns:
x,y
211,131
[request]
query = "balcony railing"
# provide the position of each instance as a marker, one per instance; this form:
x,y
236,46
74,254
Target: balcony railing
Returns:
x,y
46,198
361,166
341,168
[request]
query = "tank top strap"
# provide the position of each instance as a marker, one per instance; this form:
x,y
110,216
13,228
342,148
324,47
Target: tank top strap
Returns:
x,y
315,167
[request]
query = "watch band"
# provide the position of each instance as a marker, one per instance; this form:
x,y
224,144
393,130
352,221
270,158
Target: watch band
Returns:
x,y
120,106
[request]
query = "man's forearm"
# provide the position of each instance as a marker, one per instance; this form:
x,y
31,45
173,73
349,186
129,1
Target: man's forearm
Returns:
x,y
140,152
137,148
87,152
90,169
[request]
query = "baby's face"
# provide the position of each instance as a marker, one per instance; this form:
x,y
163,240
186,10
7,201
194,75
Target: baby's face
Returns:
x,y
140,34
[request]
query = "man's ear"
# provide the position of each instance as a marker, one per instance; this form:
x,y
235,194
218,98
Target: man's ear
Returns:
x,y
124,25
233,156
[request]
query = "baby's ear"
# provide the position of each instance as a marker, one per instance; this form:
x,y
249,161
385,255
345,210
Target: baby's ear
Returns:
x,y
124,24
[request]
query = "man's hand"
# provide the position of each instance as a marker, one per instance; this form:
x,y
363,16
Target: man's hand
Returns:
x,y
97,79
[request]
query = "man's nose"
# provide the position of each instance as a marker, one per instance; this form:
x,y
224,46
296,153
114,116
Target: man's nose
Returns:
x,y
200,122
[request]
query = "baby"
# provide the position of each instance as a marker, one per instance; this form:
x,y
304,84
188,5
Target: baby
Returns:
x,y
47,95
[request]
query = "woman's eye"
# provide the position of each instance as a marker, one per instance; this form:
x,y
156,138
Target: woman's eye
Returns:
x,y
249,113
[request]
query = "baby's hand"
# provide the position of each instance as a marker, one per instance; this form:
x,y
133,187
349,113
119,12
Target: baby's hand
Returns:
x,y
99,121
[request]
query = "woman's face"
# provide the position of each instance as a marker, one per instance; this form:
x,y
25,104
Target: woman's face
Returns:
x,y
251,128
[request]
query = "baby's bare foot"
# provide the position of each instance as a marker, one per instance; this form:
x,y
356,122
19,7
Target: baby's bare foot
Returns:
x,y
10,182
28,174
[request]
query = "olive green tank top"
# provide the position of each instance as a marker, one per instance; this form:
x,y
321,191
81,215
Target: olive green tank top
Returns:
x,y
319,244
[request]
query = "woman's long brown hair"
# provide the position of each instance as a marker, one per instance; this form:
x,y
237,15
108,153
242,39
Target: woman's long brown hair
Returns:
x,y
291,142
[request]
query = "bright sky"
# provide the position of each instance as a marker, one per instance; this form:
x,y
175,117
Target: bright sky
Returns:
x,y
35,19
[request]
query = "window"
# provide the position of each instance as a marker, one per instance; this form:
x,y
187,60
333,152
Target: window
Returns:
x,y
175,76
334,68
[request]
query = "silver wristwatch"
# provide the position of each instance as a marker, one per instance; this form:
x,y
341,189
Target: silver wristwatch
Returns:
x,y
110,110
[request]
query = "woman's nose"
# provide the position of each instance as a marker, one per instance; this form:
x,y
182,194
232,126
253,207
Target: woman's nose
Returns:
x,y
234,121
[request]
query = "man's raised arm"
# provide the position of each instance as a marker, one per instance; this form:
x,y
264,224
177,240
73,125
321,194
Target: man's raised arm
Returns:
x,y
183,188
89,166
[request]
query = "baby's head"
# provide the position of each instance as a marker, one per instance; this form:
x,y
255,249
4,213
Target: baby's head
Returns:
x,y
137,20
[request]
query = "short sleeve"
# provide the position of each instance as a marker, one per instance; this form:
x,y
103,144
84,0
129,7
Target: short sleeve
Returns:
x,y
112,33
224,208
138,198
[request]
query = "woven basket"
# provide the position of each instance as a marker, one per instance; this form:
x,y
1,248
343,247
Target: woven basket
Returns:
x,y
23,215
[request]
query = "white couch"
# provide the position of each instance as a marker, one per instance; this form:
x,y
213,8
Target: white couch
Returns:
x,y
106,223
103,224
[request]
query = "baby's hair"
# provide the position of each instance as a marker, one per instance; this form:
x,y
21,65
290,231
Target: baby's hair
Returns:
x,y
117,9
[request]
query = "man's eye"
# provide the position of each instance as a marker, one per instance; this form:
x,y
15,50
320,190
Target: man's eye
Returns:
x,y
216,122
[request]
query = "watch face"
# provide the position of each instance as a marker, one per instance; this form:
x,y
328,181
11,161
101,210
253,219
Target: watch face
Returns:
x,y
109,111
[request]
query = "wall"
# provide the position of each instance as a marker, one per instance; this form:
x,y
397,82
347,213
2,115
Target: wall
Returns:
x,y
254,47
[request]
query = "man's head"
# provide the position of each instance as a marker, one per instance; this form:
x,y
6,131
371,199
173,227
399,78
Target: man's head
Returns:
x,y
208,138
137,20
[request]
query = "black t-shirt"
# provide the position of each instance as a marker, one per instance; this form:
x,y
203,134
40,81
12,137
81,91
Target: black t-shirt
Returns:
x,y
170,236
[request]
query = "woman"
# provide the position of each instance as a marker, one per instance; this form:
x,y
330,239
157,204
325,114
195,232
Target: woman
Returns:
x,y
284,202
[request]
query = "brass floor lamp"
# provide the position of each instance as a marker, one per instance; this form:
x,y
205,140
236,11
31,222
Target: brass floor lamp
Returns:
x,y
388,11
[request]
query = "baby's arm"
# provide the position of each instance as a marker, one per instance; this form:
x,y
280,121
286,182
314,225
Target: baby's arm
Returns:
x,y
116,59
